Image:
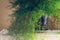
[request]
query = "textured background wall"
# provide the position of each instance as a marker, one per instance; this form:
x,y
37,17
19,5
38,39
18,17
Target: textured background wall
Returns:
x,y
4,14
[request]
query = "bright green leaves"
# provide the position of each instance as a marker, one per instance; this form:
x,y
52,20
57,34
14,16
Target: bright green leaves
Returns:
x,y
57,5
53,7
37,15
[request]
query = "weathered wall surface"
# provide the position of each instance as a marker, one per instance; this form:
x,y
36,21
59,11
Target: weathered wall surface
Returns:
x,y
53,24
4,14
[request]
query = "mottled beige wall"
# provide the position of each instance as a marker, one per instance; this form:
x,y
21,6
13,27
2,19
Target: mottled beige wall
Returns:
x,y
53,24
4,14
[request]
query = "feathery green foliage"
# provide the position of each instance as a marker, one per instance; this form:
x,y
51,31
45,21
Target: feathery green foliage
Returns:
x,y
29,12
